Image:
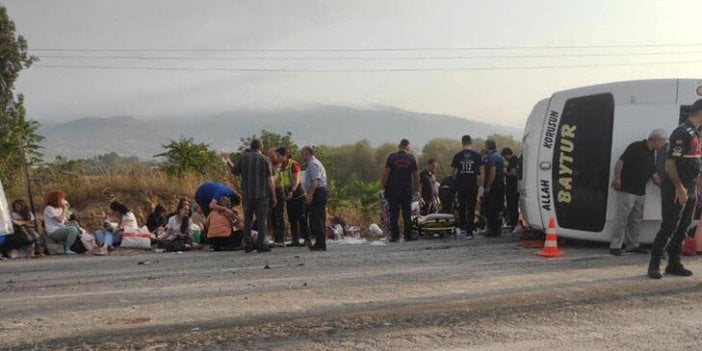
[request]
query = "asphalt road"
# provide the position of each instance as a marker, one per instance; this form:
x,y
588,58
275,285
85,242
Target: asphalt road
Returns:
x,y
452,294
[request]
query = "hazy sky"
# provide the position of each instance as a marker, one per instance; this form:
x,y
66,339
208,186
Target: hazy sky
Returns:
x,y
505,96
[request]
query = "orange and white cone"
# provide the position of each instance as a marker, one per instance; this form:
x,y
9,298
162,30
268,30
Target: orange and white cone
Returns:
x,y
551,243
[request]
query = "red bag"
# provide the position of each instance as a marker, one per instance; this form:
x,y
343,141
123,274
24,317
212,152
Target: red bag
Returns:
x,y
689,246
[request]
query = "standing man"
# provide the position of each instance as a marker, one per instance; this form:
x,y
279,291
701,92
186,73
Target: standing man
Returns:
x,y
494,189
429,193
511,186
291,182
278,210
678,194
315,185
257,184
467,169
400,170
447,194
631,174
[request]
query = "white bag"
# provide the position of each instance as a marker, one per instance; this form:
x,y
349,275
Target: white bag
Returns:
x,y
136,238
88,241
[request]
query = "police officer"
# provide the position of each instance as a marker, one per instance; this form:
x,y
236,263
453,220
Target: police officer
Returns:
x,y
678,194
467,169
400,171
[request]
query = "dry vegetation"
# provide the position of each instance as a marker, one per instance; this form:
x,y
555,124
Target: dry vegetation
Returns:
x,y
139,188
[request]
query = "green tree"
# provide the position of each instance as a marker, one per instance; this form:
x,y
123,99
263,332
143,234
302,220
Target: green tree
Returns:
x,y
184,156
269,140
14,127
501,141
442,150
14,130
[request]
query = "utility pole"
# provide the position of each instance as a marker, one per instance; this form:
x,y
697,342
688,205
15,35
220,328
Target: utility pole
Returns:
x,y
23,158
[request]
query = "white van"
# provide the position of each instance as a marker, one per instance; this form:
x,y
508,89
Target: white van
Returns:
x,y
572,142
5,218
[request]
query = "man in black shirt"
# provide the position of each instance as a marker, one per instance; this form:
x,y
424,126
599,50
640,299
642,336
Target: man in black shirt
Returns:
x,y
428,180
678,194
467,170
511,186
631,174
494,188
400,170
447,194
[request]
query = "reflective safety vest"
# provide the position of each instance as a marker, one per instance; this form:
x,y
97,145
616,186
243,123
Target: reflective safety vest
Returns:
x,y
286,180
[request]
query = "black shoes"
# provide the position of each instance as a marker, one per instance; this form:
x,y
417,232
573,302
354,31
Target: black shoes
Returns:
x,y
615,252
678,269
654,267
411,238
316,247
654,274
674,268
251,249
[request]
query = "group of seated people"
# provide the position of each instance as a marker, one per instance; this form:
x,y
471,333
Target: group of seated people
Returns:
x,y
185,229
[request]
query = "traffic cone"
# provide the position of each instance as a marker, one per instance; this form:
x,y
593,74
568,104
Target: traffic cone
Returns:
x,y
551,243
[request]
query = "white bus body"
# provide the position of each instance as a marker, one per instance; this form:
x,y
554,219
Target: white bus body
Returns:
x,y
5,218
572,142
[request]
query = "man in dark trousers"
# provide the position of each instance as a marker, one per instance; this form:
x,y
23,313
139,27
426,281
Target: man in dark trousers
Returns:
x,y
632,172
315,186
278,211
678,194
511,186
494,188
467,169
429,193
400,171
291,180
258,186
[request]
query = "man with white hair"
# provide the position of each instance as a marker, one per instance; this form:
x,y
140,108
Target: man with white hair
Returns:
x,y
631,174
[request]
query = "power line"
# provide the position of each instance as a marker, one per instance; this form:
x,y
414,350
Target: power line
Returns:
x,y
191,58
526,47
321,70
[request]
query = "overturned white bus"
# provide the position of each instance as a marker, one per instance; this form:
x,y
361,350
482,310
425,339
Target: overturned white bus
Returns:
x,y
5,219
573,140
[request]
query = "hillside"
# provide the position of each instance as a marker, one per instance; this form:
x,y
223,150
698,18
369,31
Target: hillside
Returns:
x,y
331,125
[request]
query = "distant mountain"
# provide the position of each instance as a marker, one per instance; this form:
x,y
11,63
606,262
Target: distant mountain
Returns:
x,y
330,125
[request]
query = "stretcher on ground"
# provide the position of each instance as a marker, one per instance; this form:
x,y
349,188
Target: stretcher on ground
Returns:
x,y
434,225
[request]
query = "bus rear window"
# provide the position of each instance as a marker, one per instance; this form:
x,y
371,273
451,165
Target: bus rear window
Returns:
x,y
581,162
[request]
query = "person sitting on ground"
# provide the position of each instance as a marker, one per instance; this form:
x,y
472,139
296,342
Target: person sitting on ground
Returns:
x,y
157,219
16,245
220,226
198,218
120,218
181,200
57,226
20,243
24,222
178,230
